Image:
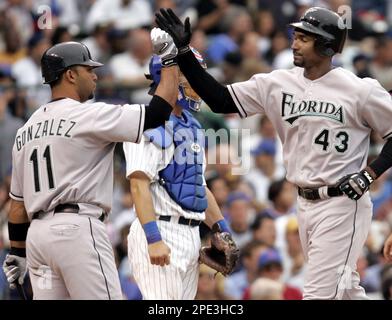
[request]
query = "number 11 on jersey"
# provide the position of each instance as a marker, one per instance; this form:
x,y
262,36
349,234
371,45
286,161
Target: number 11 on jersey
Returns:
x,y
34,159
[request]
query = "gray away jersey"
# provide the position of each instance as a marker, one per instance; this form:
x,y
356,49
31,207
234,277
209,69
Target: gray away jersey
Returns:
x,y
64,153
324,125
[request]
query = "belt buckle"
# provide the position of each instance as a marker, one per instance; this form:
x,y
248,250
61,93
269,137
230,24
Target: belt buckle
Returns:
x,y
308,194
190,223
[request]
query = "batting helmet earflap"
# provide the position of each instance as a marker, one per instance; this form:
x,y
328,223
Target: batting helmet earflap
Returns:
x,y
328,27
63,55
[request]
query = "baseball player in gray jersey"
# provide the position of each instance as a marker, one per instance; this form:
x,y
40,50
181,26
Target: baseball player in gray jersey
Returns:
x,y
62,178
171,198
323,116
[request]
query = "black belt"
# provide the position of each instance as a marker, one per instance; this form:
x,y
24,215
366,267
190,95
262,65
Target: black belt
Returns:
x,y
313,194
66,208
182,220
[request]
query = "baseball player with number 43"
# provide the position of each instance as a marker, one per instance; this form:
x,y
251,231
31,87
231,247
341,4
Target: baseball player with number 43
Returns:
x,y
166,173
324,116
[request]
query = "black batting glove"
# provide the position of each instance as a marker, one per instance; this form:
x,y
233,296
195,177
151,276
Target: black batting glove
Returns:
x,y
356,184
181,33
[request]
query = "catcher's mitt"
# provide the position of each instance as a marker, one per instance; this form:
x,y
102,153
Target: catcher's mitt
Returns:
x,y
222,255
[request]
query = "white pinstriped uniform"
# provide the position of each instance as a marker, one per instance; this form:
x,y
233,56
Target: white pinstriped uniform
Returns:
x,y
179,279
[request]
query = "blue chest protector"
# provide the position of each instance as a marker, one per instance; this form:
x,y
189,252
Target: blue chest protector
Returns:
x,y
183,177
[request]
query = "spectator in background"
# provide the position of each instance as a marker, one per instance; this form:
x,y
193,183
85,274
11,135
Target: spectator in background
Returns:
x,y
361,64
239,214
293,257
98,43
13,49
283,11
124,14
210,285
219,189
266,289
27,73
265,171
61,34
380,193
8,124
265,26
239,23
236,283
131,66
381,65
211,13
270,267
263,229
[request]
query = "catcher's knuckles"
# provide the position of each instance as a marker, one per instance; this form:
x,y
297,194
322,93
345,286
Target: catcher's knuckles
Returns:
x,y
159,253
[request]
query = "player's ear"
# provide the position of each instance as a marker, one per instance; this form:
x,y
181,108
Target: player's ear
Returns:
x,y
70,75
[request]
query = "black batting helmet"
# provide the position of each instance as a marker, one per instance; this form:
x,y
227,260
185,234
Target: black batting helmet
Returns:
x,y
61,56
328,27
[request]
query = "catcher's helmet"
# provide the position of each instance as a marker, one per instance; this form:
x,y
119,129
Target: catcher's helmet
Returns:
x,y
61,56
187,98
328,27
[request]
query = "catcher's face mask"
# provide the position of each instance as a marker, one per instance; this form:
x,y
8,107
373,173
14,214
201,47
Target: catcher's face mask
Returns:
x,y
188,99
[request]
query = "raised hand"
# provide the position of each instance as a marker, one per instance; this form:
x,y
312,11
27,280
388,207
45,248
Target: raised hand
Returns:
x,y
163,46
181,33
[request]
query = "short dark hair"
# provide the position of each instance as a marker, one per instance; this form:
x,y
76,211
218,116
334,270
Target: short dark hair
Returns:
x,y
246,251
259,221
275,189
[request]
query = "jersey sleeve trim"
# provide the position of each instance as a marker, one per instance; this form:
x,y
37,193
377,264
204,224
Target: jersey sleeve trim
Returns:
x,y
15,197
388,135
237,102
139,130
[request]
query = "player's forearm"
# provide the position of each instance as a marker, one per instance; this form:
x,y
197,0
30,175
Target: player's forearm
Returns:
x,y
211,91
384,161
18,224
213,212
168,86
140,189
165,97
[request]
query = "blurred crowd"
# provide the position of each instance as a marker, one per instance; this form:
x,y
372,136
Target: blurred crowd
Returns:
x,y
238,38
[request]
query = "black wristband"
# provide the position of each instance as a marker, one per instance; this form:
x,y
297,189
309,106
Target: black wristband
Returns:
x,y
168,62
157,113
18,231
20,252
183,50
384,161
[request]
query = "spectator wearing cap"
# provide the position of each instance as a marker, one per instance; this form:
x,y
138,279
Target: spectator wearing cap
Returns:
x,y
270,266
236,283
27,73
264,173
239,214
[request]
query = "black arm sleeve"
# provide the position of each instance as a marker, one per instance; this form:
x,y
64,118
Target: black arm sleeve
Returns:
x,y
211,91
384,161
157,113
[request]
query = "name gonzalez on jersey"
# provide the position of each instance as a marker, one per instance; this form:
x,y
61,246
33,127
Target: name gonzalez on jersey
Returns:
x,y
292,110
52,127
